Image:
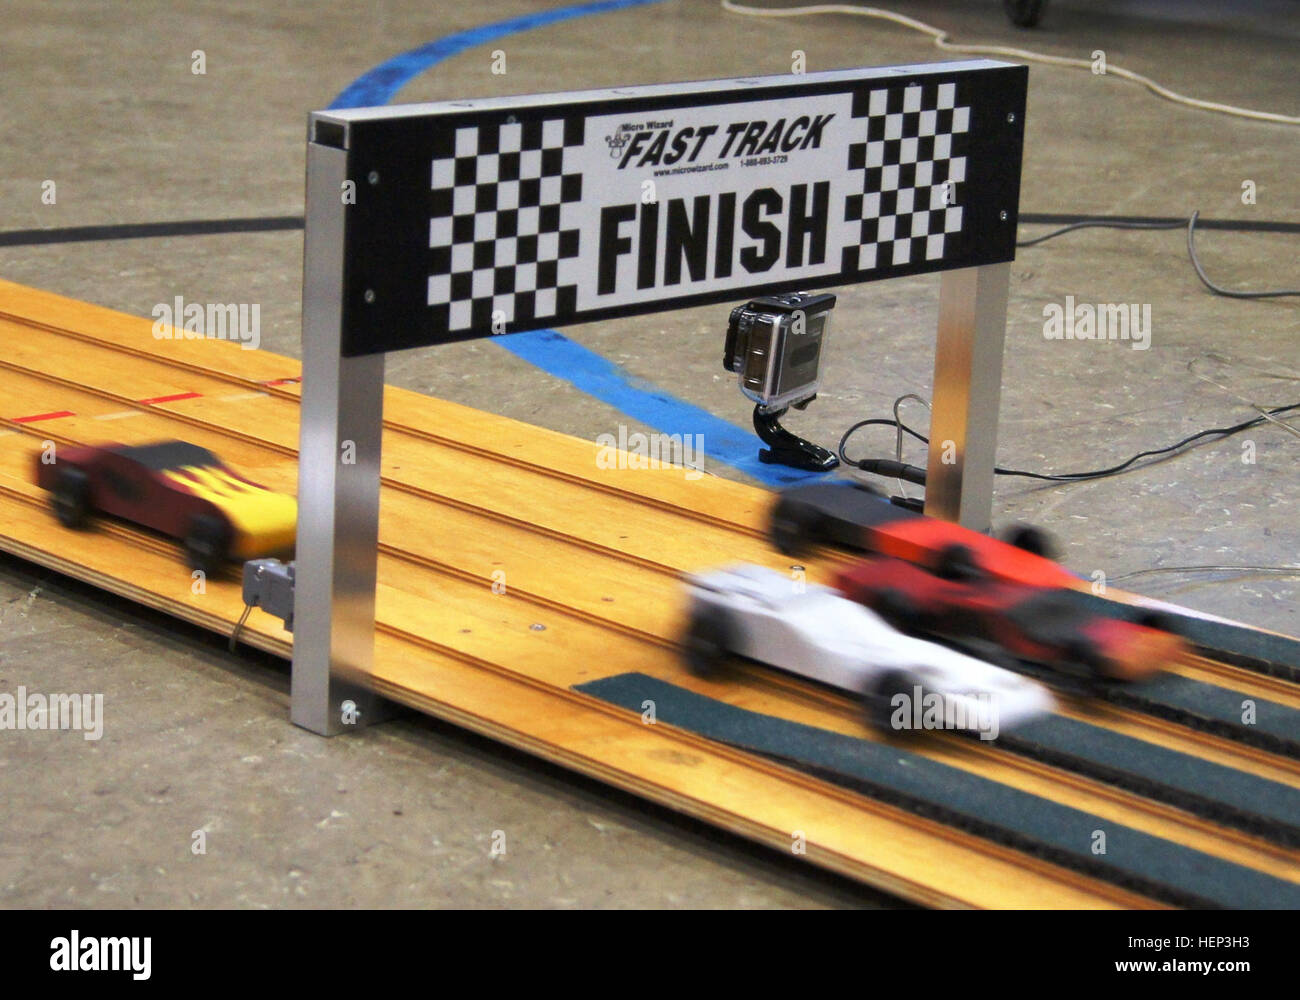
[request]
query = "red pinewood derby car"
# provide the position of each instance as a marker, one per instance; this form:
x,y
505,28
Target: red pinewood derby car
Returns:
x,y
854,516
1048,625
174,487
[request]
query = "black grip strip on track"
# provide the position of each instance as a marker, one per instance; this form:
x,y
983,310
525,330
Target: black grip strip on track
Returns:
x,y
1271,668
1221,794
1158,868
1212,709
1194,704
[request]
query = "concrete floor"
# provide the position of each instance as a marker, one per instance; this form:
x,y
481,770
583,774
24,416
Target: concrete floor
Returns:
x,y
102,101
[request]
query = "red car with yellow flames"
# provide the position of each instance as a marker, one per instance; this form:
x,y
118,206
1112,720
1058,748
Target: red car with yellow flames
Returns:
x,y
176,488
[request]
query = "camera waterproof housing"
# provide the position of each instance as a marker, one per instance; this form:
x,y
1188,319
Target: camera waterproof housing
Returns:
x,y
775,343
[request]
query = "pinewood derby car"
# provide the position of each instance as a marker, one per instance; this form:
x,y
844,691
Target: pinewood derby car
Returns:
x,y
811,630
850,515
1048,625
176,488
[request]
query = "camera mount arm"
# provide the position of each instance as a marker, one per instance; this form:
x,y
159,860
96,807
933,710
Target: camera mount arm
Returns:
x,y
786,448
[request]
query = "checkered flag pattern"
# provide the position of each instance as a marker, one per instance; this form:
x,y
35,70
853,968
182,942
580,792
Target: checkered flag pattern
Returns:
x,y
498,229
913,164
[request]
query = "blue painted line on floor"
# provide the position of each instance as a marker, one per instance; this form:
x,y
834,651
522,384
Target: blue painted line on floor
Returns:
x,y
381,84
597,376
550,350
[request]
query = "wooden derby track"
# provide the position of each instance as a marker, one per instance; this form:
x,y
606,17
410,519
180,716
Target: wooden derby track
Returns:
x,y
593,556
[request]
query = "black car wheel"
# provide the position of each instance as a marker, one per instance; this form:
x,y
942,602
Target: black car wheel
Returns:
x,y
898,610
1085,657
1160,620
795,527
957,562
879,700
1031,539
708,641
70,497
207,544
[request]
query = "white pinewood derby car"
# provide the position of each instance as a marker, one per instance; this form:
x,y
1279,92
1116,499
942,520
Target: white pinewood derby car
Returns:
x,y
811,630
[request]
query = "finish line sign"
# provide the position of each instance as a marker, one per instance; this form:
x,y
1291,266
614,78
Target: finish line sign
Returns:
x,y
471,218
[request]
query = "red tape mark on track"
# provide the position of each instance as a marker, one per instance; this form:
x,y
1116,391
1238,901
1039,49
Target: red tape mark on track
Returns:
x,y
43,416
169,399
152,401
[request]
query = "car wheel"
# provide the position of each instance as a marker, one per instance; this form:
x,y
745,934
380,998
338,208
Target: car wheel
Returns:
x,y
70,497
1159,620
1084,655
207,544
708,642
898,610
1031,539
957,562
880,696
795,527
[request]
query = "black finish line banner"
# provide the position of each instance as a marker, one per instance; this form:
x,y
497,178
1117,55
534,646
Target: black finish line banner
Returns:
x,y
475,218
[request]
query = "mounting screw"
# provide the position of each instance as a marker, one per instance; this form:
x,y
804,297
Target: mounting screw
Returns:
x,y
537,627
1003,215
370,292
1011,120
373,178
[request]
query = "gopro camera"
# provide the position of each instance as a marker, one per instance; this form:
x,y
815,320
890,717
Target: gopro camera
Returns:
x,y
775,344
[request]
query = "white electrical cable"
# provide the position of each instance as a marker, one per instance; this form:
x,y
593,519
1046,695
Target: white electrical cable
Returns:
x,y
941,41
